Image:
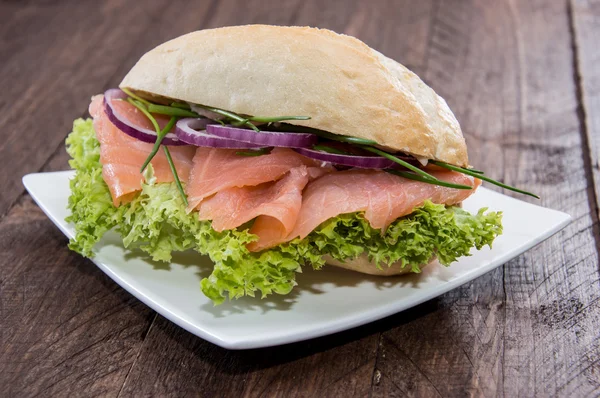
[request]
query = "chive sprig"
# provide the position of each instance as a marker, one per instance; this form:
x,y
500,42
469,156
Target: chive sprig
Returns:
x,y
171,111
178,110
435,181
160,134
481,177
135,96
175,175
158,141
230,115
254,152
401,162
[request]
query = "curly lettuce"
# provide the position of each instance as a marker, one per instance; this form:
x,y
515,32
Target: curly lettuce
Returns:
x,y
156,222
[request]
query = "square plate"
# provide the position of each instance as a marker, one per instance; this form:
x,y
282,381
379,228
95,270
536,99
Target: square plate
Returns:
x,y
324,302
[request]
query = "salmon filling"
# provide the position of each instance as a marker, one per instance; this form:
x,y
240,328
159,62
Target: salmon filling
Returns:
x,y
261,219
122,156
286,194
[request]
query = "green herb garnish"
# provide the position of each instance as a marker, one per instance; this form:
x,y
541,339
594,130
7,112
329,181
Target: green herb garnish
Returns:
x,y
180,105
416,177
257,152
171,111
400,162
158,141
143,109
475,171
174,171
329,149
481,177
324,134
230,115
177,109
134,96
342,138
353,140
267,119
367,145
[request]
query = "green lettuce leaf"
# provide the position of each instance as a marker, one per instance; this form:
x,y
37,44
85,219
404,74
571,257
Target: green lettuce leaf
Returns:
x,y
431,230
92,210
156,222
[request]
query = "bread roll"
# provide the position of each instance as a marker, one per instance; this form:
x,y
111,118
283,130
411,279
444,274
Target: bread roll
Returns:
x,y
363,265
341,83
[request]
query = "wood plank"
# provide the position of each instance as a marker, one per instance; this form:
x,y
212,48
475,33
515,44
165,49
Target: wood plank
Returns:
x,y
400,29
586,26
528,328
174,362
162,30
340,365
65,326
59,53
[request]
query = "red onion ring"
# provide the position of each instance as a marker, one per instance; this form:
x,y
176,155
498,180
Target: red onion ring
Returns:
x,y
140,133
192,131
264,138
364,162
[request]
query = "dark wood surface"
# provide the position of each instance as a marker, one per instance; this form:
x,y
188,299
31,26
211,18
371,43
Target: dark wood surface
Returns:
x,y
523,80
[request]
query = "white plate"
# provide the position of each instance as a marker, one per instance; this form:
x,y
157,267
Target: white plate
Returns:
x,y
324,302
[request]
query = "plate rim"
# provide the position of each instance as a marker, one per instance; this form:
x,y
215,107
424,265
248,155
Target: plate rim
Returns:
x,y
355,320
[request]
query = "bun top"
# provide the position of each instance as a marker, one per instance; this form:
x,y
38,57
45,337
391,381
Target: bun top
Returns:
x,y
345,86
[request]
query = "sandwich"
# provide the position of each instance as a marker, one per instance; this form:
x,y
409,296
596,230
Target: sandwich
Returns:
x,y
270,149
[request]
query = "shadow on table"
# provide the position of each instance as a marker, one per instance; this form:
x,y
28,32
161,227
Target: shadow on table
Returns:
x,y
312,282
241,362
309,281
245,361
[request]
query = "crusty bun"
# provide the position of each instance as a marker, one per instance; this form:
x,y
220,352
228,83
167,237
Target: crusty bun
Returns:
x,y
341,83
363,265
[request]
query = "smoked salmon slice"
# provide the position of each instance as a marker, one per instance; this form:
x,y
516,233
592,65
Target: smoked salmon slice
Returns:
x,y
122,156
286,194
215,170
270,229
277,202
382,197
281,200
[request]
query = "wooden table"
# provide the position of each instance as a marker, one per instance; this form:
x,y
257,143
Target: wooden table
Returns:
x,y
524,81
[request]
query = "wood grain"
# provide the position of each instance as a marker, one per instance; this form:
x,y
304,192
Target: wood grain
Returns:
x,y
516,98
585,16
521,78
67,51
346,366
65,326
176,363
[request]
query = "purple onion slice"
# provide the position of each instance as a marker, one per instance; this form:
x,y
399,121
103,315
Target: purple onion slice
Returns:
x,y
193,131
264,138
140,133
364,162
